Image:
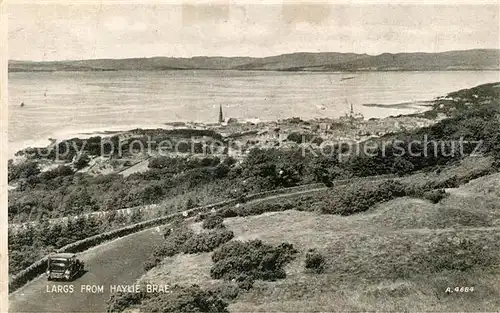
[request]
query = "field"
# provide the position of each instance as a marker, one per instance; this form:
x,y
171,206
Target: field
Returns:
x,y
399,255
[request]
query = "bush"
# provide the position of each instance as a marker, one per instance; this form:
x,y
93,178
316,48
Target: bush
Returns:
x,y
151,262
402,167
174,242
257,208
253,259
227,213
184,299
200,217
355,199
206,242
226,291
245,282
315,262
180,299
25,169
181,239
118,302
213,221
435,196
81,161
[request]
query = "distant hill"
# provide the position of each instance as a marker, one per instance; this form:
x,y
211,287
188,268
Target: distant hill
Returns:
x,y
484,59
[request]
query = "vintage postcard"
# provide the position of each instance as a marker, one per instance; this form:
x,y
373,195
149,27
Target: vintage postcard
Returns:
x,y
250,156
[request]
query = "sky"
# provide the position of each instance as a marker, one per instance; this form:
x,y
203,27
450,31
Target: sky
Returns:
x,y
55,31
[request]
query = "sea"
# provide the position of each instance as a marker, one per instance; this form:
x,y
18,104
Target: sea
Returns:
x,y
62,105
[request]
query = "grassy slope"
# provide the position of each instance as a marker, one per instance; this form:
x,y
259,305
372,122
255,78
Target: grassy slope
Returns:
x,y
387,258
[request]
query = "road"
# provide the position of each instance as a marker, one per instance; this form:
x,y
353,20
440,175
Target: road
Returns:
x,y
117,262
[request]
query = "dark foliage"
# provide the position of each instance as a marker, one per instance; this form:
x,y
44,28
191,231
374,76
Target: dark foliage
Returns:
x,y
59,171
213,221
150,263
226,291
315,261
200,217
206,242
228,212
182,239
179,299
253,259
81,161
120,301
245,282
273,167
32,243
184,299
402,167
348,201
435,196
24,170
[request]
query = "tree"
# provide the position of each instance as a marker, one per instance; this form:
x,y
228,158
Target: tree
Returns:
x,y
59,171
81,161
323,169
24,169
402,166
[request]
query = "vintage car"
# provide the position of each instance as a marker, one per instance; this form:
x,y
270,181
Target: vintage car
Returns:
x,y
65,266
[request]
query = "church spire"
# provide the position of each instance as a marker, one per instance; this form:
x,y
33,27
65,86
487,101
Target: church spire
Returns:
x,y
221,117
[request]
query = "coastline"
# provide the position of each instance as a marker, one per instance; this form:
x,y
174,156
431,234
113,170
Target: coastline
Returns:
x,y
16,146
402,105
416,107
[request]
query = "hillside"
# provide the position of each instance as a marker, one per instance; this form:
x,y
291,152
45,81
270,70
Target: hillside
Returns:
x,y
400,255
452,60
329,61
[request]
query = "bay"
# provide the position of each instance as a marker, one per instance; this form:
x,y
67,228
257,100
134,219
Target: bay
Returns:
x,y
68,104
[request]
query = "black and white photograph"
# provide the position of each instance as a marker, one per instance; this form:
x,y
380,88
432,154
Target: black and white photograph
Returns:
x,y
250,156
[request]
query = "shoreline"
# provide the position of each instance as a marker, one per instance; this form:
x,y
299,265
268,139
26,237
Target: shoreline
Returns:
x,y
68,134
417,107
402,105
260,70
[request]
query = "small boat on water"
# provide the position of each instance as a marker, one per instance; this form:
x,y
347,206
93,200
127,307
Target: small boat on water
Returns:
x,y
346,78
321,107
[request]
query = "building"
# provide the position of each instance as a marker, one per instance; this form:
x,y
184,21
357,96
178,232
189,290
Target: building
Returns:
x,y
351,115
232,120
